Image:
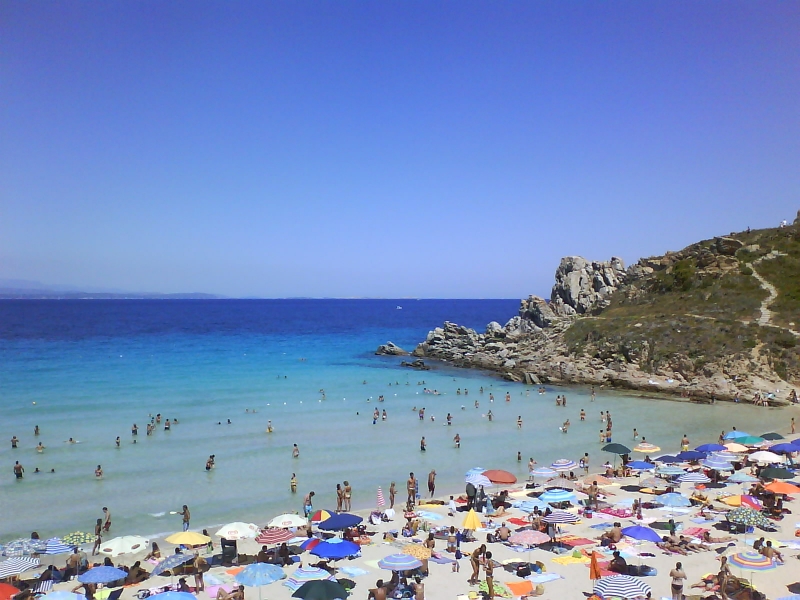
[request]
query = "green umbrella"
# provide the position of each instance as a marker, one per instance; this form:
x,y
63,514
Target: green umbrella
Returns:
x,y
749,440
616,449
320,589
776,473
772,436
748,516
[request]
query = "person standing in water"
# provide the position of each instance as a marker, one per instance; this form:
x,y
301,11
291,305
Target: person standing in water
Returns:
x,y
392,493
295,451
422,444
293,483
411,488
432,482
186,516
98,472
106,519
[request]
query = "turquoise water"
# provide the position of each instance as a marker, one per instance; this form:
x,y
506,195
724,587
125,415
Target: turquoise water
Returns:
x,y
90,378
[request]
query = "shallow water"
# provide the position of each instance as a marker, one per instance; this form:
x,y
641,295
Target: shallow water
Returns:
x,y
94,368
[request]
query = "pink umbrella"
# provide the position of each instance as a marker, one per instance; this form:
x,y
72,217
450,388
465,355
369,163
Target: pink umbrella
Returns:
x,y
529,537
381,501
274,535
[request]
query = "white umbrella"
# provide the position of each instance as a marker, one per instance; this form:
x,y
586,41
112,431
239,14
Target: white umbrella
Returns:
x,y
238,531
765,456
288,520
126,544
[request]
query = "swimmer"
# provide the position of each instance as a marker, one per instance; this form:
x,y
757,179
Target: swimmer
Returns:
x,y
295,451
293,483
117,442
40,448
98,472
269,426
519,422
490,416
457,440
583,415
423,444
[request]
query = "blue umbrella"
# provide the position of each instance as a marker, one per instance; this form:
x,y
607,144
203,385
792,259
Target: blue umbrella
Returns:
x,y
732,435
335,549
258,574
557,495
670,470
742,477
784,448
65,595
102,575
673,500
640,465
694,478
528,505
711,448
340,521
639,532
399,562
474,471
690,455
717,465
172,561
56,546
24,547
668,459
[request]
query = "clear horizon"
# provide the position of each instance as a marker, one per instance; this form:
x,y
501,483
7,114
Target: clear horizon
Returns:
x,y
392,150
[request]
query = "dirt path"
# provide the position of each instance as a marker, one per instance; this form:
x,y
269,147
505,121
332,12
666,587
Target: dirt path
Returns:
x,y
766,314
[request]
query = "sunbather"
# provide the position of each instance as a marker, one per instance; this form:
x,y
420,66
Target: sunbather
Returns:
x,y
237,594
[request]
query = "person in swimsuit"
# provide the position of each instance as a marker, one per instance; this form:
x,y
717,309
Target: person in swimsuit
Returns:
x,y
106,519
475,562
339,497
347,494
422,444
186,517
411,488
392,492
488,569
98,472
98,539
295,451
457,440
293,483
432,482
40,448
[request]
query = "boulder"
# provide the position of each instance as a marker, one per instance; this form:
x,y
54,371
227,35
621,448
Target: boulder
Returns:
x,y
416,364
581,286
391,349
727,245
538,311
494,329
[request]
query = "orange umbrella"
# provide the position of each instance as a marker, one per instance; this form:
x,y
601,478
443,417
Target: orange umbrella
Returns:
x,y
7,591
499,476
594,568
781,487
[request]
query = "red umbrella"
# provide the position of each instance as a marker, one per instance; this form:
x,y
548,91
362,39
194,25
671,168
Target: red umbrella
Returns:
x,y
7,591
274,535
499,476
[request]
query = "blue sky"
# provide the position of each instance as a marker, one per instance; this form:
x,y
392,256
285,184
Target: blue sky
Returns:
x,y
429,149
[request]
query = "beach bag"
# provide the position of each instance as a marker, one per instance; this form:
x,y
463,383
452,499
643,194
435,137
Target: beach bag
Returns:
x,y
523,570
458,554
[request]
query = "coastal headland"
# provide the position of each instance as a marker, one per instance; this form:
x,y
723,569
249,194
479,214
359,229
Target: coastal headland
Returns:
x,y
718,320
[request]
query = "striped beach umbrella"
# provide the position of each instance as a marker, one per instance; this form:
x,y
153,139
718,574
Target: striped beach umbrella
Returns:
x,y
42,587
622,586
717,465
57,546
652,482
172,561
274,535
478,479
65,595
380,500
560,516
751,561
670,470
646,447
399,562
24,547
556,495
310,543
694,478
303,574
15,566
543,472
529,537
563,464
528,506
742,477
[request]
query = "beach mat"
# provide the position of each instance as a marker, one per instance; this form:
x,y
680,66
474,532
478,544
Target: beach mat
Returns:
x,y
518,521
577,541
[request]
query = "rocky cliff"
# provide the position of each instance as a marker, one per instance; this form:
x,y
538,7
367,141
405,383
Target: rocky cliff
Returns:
x,y
701,322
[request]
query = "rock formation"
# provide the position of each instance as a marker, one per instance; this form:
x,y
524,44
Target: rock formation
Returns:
x,y
391,349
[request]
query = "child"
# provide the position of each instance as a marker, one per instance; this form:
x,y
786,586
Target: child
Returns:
x,y
451,507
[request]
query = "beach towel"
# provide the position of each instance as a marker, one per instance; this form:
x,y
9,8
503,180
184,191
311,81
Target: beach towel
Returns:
x,y
616,512
425,514
543,577
441,560
571,560
500,589
695,531
520,588
572,541
518,521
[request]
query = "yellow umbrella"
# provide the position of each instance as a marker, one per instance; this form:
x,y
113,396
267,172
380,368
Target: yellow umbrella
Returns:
x,y
418,551
188,538
732,500
647,448
734,447
471,521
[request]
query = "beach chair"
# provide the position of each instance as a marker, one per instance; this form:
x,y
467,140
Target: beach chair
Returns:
x,y
229,552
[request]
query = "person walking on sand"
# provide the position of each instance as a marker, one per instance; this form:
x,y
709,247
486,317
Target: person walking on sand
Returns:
x,y
186,516
488,569
678,577
432,482
106,519
411,488
200,566
392,493
98,536
792,424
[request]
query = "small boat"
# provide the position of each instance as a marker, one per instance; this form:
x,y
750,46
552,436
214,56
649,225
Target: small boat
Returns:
x,y
399,308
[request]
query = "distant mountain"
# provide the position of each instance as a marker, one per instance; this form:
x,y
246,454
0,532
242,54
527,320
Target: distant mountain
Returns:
x,y
23,289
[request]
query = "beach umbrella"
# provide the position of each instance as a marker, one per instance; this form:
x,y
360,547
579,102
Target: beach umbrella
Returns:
x,y
640,465
623,586
563,464
471,521
543,472
749,440
303,574
7,591
380,501
751,561
274,535
776,473
670,470
560,516
710,448
772,436
594,568
15,566
321,589
652,482
188,538
556,496
618,449
690,455
175,595
646,447
747,516
667,459
742,477
56,546
417,551
724,456
499,476
717,465
310,543
529,537
529,506
321,515
694,478
474,470
782,487
340,521
102,575
784,448
478,479
673,500
238,531
598,479
126,544
400,562
172,561
258,575
639,532
732,435
22,547
335,549
76,538
287,520
735,447
764,456
562,483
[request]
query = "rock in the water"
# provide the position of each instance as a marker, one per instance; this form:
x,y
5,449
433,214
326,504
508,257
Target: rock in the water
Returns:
x,y
391,349
416,364
727,246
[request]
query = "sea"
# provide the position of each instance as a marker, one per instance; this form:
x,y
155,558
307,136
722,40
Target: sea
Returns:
x,y
89,369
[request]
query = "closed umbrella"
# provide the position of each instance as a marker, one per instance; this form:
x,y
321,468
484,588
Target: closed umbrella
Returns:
x,y
623,586
399,562
303,574
287,520
126,544
380,501
15,566
499,476
321,589
238,531
274,535
471,521
102,575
